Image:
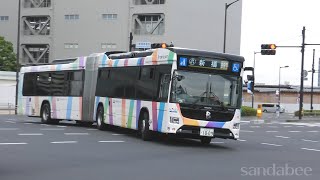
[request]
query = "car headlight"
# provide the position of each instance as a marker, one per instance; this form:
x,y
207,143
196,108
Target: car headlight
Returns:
x,y
174,120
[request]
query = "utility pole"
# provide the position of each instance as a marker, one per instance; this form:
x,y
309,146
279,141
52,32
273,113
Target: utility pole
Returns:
x,y
311,104
302,68
18,58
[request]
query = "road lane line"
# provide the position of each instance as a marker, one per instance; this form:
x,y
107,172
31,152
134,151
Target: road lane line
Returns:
x,y
217,143
294,131
242,140
45,125
9,129
75,134
111,141
52,129
271,144
10,122
245,131
31,134
255,126
317,150
313,131
271,131
92,129
284,137
13,143
64,142
117,134
27,123
307,140
61,126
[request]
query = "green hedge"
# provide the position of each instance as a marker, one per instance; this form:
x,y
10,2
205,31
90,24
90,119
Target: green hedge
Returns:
x,y
248,111
308,113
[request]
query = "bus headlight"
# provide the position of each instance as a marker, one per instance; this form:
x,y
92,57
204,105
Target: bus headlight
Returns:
x,y
174,120
236,126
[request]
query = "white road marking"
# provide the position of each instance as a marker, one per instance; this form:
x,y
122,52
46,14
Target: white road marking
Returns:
x,y
284,137
27,123
242,140
294,131
271,144
61,126
11,122
13,143
92,129
45,125
76,134
317,150
271,131
52,129
273,126
31,134
64,142
217,143
307,140
313,131
8,129
110,141
245,131
255,126
117,134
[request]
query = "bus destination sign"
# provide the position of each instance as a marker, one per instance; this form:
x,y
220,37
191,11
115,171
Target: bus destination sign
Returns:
x,y
206,63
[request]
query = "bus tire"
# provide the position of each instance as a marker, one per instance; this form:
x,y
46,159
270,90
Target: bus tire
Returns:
x,y
45,114
100,118
144,127
205,140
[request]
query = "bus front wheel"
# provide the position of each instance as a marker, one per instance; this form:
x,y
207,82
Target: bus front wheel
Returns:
x,y
144,127
205,140
100,118
45,114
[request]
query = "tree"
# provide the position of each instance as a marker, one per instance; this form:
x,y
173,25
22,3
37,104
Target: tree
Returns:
x,y
7,56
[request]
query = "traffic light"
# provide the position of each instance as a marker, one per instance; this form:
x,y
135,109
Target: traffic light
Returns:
x,y
268,49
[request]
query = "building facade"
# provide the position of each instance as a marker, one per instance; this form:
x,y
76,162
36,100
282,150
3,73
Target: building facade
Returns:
x,y
57,29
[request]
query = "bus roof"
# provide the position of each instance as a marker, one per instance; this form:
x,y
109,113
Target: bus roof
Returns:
x,y
202,53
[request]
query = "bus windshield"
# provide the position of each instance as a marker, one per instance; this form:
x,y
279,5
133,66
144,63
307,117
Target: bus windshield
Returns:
x,y
206,89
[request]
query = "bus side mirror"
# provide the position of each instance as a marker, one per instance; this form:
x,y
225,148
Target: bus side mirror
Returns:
x,y
179,77
250,87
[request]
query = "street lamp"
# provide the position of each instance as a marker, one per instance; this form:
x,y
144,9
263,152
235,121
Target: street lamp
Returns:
x,y
254,67
279,85
225,23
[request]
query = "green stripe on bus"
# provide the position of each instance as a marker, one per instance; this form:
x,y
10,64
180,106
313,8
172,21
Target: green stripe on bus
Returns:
x,y
130,114
170,58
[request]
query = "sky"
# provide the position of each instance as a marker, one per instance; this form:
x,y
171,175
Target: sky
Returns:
x,y
280,22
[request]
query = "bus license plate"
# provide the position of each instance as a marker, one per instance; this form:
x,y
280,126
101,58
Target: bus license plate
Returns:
x,y
206,132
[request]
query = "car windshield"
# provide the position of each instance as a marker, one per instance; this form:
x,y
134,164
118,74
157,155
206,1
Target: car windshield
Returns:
x,y
206,89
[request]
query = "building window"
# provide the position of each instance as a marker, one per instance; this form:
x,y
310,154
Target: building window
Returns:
x,y
152,24
4,18
108,46
148,2
71,17
71,45
35,53
37,3
36,25
110,16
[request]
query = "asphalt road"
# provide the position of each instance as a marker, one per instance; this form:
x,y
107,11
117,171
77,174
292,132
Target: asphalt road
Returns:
x,y
33,151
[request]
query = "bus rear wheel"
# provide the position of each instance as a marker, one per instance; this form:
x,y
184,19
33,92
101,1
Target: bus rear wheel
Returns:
x,y
144,127
100,118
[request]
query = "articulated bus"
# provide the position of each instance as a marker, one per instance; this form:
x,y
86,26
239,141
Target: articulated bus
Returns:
x,y
190,93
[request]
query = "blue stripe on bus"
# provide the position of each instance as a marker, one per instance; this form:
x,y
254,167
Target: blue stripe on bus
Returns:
x,y
59,66
104,61
138,113
160,116
69,108
116,62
